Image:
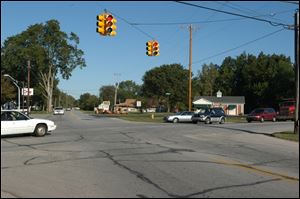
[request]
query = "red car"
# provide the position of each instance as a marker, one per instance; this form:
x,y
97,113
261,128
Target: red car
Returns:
x,y
262,114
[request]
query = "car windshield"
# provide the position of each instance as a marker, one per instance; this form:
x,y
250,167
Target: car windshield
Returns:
x,y
258,110
59,108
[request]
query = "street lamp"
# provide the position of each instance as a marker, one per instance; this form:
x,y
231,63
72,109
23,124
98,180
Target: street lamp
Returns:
x,y
168,94
15,83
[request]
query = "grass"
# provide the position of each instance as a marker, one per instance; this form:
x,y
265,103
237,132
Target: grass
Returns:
x,y
287,136
139,117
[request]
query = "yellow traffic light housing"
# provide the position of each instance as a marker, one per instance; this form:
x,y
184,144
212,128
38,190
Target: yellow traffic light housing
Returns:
x,y
101,24
149,48
110,25
155,48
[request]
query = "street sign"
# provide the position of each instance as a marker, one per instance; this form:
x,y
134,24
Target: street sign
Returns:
x,y
24,91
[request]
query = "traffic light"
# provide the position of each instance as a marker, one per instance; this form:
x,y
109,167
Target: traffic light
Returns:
x,y
101,24
149,48
155,48
110,25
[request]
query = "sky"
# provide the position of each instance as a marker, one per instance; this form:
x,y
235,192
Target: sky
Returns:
x,y
123,57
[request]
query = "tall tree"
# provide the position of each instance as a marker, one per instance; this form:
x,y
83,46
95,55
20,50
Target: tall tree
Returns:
x,y
51,52
171,79
107,93
206,80
8,91
128,89
88,101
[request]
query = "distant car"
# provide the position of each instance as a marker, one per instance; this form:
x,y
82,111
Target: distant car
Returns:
x,y
185,116
58,111
15,122
68,109
209,115
262,114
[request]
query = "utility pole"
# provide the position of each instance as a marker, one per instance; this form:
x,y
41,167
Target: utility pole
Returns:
x,y
296,122
28,84
116,88
190,69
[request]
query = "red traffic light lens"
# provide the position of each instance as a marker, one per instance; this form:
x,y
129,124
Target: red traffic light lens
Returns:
x,y
109,17
155,44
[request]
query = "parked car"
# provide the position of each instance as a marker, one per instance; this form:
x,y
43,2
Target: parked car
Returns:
x,y
185,116
15,122
262,114
209,115
58,111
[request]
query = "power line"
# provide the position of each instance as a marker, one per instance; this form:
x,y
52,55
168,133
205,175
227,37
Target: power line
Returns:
x,y
247,43
151,37
285,26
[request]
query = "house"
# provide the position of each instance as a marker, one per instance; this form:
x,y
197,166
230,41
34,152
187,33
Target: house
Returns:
x,y
130,105
232,105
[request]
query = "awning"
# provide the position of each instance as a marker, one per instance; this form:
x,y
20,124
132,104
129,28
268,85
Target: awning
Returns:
x,y
231,107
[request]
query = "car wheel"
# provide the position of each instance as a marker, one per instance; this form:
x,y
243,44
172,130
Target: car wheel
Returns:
x,y
207,121
274,119
40,130
176,120
249,121
262,119
222,120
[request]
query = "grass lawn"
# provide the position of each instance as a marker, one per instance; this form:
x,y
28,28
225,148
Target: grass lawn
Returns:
x,y
287,136
139,117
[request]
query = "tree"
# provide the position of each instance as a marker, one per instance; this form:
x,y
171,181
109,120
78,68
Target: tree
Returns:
x,y
206,80
88,101
128,90
8,91
107,93
263,80
50,51
171,79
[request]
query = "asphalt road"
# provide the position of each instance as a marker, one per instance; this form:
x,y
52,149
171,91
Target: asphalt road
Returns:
x,y
110,158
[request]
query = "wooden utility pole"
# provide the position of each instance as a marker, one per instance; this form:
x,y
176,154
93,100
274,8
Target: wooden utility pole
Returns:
x,y
190,70
296,122
28,85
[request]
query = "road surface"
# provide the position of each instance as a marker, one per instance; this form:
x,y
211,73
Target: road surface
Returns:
x,y
109,158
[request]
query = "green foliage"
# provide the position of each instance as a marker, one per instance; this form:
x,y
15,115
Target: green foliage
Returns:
x,y
88,101
263,80
8,90
206,80
171,79
107,93
51,52
128,90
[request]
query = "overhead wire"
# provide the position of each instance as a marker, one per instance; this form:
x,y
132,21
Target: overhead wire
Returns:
x,y
242,45
285,26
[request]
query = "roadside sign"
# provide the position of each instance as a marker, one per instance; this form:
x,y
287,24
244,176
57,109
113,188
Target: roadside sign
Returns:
x,y
24,91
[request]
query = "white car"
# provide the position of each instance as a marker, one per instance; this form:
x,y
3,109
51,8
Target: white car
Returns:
x,y
58,111
185,116
15,122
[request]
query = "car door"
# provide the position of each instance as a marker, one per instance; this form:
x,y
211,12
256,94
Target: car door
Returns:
x,y
213,116
184,116
20,124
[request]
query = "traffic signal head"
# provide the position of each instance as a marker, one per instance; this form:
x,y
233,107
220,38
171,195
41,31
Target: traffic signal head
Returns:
x,y
155,47
101,24
110,25
149,48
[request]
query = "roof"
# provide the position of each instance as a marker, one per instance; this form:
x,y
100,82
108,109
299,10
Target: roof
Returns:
x,y
128,103
223,99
